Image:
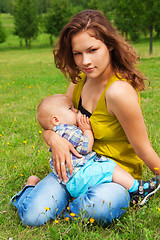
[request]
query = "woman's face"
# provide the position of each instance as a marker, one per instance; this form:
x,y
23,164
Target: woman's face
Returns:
x,y
91,55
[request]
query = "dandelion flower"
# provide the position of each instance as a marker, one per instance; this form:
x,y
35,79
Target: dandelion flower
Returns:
x,y
8,143
72,214
36,124
68,208
156,168
56,221
47,208
91,220
24,142
40,131
159,209
67,219
21,175
32,146
15,120
0,135
38,150
15,166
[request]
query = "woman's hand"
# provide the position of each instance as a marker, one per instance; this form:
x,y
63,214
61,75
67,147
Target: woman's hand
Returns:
x,y
61,149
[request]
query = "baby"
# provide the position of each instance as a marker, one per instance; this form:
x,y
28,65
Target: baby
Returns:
x,y
57,113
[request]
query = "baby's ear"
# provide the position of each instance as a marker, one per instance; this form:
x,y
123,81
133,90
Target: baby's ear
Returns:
x,y
55,121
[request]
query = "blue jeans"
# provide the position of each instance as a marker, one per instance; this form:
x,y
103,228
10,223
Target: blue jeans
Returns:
x,y
49,199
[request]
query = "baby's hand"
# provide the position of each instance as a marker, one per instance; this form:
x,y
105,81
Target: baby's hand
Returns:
x,y
83,122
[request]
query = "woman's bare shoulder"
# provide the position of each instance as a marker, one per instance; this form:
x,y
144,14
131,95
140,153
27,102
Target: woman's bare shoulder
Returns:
x,y
121,94
120,89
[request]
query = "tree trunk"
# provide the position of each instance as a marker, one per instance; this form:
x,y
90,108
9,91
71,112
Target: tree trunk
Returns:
x,y
151,40
51,40
26,41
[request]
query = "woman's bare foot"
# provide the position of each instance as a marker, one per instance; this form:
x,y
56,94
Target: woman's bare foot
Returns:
x,y
33,180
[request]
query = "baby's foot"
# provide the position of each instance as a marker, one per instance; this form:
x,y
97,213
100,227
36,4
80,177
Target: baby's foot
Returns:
x,y
145,190
33,180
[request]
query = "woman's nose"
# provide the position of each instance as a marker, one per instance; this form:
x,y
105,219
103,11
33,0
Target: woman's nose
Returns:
x,y
86,59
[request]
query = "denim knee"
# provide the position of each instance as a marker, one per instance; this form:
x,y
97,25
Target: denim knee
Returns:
x,y
42,203
103,202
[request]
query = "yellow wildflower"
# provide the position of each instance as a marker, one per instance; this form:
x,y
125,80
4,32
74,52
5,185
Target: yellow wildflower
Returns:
x,y
24,141
8,143
72,214
156,168
15,120
91,220
56,221
32,146
68,208
0,135
15,166
40,131
21,175
38,150
159,209
67,219
47,208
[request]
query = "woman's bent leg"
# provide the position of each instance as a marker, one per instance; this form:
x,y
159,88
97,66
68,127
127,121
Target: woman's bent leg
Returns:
x,y
38,205
103,202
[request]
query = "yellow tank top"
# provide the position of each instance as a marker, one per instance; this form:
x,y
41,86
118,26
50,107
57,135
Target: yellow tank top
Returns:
x,y
110,139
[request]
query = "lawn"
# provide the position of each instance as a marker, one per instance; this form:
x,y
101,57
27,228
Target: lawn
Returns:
x,y
26,77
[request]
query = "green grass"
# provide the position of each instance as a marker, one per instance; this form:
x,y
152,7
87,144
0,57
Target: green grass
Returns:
x,y
26,77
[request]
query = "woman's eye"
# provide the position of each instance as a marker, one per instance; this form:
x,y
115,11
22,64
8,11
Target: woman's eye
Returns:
x,y
93,50
76,53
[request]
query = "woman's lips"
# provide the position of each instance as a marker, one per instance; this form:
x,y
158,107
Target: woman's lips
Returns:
x,y
88,69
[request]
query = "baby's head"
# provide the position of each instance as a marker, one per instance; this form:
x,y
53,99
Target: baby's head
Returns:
x,y
56,109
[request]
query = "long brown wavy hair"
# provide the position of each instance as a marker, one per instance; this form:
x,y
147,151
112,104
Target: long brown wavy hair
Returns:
x,y
123,56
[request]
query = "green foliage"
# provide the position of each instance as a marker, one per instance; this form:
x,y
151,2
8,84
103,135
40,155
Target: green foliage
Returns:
x,y
57,16
127,17
26,21
2,34
6,6
91,4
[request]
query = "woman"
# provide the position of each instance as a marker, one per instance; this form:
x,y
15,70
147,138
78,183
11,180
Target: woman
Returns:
x,y
105,84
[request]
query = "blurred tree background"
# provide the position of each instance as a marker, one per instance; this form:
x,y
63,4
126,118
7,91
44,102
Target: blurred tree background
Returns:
x,y
133,18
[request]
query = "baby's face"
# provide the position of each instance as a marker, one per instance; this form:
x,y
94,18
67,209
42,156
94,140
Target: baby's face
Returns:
x,y
67,113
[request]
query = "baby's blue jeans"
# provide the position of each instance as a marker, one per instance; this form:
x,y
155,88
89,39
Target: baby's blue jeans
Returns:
x,y
49,199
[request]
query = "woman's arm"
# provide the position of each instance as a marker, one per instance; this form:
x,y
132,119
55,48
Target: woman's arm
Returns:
x,y
122,101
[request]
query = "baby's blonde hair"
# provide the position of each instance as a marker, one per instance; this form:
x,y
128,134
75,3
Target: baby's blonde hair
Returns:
x,y
47,108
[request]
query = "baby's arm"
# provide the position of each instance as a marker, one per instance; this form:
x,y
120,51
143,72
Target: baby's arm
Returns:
x,y
85,126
